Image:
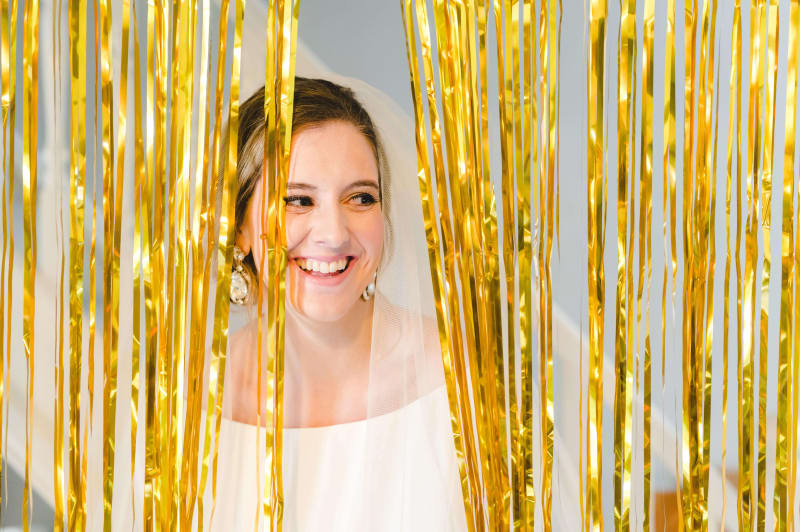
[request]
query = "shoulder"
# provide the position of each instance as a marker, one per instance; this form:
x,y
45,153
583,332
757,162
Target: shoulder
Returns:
x,y
240,372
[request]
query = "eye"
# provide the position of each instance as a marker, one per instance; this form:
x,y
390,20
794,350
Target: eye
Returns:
x,y
298,201
362,199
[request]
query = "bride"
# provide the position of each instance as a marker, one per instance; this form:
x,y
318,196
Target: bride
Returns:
x,y
366,441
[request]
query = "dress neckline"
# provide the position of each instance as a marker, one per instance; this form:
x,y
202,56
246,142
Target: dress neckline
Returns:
x,y
349,424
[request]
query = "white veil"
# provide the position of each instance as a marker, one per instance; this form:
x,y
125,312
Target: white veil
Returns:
x,y
406,378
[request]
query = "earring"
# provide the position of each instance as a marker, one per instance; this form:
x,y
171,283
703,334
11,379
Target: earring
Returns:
x,y
239,284
370,288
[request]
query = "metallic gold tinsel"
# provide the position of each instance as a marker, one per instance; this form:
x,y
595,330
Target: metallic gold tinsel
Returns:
x,y
733,138
596,205
623,357
785,452
77,491
449,330
702,84
8,74
645,241
765,176
167,243
748,334
497,472
183,215
278,100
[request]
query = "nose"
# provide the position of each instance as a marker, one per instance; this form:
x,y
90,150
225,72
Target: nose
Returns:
x,y
329,227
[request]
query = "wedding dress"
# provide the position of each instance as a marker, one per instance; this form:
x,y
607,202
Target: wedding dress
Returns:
x,y
396,470
334,480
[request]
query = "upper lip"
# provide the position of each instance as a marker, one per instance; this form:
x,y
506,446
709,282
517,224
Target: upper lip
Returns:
x,y
331,258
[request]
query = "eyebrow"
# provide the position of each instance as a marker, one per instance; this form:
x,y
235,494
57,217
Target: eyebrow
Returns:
x,y
354,184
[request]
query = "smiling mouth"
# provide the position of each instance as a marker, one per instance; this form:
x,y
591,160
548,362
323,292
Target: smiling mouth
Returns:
x,y
319,268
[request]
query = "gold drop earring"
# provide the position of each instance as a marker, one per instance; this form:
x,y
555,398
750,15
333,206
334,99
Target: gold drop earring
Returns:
x,y
370,288
240,286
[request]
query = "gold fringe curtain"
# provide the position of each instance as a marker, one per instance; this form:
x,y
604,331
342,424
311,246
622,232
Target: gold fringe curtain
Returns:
x,y
491,264
489,260
139,127
155,85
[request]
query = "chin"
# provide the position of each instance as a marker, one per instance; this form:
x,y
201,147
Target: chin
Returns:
x,y
323,302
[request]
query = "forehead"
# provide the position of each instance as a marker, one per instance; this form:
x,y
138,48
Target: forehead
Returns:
x,y
331,155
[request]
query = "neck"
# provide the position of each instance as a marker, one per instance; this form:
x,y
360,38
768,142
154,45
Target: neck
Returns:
x,y
329,348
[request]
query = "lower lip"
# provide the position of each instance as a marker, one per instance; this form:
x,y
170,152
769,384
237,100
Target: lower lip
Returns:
x,y
325,279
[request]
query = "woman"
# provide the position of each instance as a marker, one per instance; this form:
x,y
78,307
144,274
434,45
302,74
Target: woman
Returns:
x,y
367,442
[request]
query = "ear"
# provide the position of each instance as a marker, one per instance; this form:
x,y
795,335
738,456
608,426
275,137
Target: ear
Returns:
x,y
243,239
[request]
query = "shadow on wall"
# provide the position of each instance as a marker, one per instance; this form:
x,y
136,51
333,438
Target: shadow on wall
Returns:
x,y
11,487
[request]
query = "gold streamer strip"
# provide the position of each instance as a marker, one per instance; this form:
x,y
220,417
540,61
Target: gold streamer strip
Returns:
x,y
622,356
645,239
58,359
699,201
151,291
689,413
785,451
441,269
112,207
757,37
669,178
140,181
217,364
669,185
550,127
288,13
495,497
448,39
58,366
4,109
180,177
765,175
699,237
225,238
201,264
8,55
278,100
270,116
596,203
30,65
175,231
737,48
76,501
734,115
511,164
795,431
707,217
522,486
158,408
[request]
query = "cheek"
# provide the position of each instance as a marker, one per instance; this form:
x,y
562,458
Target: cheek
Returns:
x,y
371,235
295,231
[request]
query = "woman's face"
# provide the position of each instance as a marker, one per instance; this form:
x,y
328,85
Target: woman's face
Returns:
x,y
334,222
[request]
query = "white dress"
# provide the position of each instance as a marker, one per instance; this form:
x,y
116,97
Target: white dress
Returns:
x,y
385,473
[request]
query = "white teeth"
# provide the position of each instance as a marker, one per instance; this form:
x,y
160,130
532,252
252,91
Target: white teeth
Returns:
x,y
311,265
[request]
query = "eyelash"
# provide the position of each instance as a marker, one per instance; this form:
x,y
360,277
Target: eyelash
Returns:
x,y
290,199
306,201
